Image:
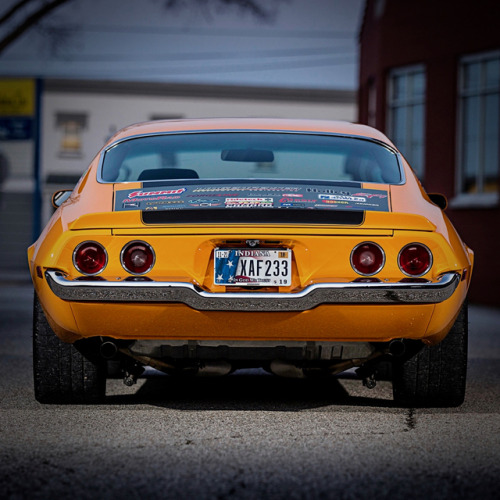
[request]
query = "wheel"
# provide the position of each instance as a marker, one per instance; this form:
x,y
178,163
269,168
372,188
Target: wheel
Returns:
x,y
62,372
434,376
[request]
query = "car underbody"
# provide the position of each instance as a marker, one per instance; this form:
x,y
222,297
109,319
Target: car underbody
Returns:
x,y
217,358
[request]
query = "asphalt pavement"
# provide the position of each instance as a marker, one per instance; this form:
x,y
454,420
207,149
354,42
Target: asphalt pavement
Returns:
x,y
249,435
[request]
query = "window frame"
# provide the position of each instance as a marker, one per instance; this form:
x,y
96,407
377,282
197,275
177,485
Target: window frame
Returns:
x,y
479,199
408,102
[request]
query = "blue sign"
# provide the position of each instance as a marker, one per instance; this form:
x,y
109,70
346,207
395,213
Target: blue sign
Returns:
x,y
16,129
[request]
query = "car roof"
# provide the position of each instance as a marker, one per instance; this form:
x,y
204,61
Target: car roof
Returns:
x,y
253,124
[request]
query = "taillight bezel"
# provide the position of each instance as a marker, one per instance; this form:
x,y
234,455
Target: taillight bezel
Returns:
x,y
375,245
137,242
76,250
429,252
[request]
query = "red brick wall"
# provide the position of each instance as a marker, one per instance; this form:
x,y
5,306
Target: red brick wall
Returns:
x,y
436,34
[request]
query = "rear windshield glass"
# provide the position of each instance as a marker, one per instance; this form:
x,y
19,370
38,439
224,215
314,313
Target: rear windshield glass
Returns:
x,y
250,155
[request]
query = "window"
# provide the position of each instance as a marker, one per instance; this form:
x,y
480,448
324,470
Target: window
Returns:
x,y
406,114
479,134
249,155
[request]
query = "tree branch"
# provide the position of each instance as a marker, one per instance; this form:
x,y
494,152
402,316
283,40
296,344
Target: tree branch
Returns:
x,y
255,7
30,21
258,8
19,5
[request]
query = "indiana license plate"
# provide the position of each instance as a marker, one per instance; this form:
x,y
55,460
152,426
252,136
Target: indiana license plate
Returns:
x,y
253,267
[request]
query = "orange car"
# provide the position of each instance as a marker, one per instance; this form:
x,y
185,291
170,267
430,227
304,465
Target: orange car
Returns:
x,y
205,246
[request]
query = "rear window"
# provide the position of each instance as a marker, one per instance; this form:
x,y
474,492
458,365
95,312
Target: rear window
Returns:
x,y
250,155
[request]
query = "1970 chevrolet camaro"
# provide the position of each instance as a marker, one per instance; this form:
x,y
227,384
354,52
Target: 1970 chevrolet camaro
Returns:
x,y
205,246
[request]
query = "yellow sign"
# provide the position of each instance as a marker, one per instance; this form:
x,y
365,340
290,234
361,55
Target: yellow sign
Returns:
x,y
17,97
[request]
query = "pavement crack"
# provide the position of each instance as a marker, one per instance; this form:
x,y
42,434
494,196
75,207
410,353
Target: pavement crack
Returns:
x,y
411,420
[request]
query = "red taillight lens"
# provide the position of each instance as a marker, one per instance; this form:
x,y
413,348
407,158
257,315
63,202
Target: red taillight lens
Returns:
x,y
367,258
90,258
137,257
415,259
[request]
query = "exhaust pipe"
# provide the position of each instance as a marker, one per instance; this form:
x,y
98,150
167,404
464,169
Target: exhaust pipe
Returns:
x,y
108,350
397,347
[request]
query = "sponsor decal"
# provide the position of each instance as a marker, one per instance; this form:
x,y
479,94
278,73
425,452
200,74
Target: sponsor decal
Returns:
x,y
141,194
131,204
333,205
213,194
249,202
371,195
205,203
167,198
155,198
172,202
200,201
326,190
293,200
339,197
212,189
293,205
166,208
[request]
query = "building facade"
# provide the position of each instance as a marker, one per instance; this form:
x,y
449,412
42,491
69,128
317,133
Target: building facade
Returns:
x,y
430,79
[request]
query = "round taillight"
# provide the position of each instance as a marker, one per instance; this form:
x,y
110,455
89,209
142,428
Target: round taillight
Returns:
x,y
367,258
90,258
137,257
415,259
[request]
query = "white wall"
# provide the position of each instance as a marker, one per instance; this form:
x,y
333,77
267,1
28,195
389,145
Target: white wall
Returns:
x,y
106,113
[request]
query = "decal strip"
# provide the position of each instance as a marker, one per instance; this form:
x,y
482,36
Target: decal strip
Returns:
x,y
236,195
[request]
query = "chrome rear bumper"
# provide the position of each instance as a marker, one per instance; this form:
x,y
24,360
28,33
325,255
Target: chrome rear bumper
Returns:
x,y
310,297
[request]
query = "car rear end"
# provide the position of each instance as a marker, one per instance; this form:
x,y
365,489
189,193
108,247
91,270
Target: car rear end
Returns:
x,y
261,265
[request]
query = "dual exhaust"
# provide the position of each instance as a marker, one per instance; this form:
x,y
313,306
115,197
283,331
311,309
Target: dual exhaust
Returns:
x,y
213,368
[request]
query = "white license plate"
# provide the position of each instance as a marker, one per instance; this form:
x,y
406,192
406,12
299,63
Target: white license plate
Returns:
x,y
253,267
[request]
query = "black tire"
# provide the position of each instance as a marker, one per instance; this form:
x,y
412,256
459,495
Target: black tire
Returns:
x,y
434,376
62,373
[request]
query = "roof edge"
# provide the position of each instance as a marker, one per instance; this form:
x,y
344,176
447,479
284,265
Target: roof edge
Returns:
x,y
200,91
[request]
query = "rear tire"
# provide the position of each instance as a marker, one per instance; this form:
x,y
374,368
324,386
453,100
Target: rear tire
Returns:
x,y
434,376
62,373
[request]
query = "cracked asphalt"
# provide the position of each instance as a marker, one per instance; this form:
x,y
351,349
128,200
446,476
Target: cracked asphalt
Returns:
x,y
249,435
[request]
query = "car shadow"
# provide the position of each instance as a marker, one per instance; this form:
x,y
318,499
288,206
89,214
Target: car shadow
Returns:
x,y
244,392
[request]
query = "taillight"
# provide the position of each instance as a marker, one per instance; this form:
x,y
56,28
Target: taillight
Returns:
x,y
367,258
415,259
137,257
90,258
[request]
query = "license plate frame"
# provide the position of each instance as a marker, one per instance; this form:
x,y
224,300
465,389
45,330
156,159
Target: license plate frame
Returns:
x,y
253,266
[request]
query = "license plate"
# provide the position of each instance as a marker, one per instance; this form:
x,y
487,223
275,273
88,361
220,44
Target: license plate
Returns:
x,y
253,267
